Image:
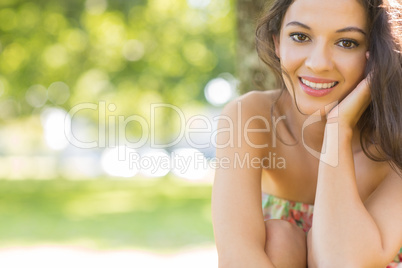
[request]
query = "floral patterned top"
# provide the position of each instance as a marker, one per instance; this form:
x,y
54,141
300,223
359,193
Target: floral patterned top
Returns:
x,y
300,214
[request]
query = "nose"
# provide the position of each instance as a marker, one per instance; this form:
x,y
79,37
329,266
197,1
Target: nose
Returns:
x,y
320,58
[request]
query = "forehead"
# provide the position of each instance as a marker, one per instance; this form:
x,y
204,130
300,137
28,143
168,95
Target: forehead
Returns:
x,y
327,13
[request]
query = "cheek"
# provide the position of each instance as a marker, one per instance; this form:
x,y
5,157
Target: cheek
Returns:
x,y
291,56
353,68
291,60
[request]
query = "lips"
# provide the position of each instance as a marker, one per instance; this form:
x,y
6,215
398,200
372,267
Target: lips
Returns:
x,y
317,87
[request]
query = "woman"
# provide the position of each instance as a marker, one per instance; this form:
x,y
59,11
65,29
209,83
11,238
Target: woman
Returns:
x,y
335,127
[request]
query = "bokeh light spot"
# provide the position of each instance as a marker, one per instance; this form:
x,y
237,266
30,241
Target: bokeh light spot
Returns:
x,y
76,40
133,50
112,107
96,7
195,52
92,83
198,4
13,57
54,22
155,163
218,91
54,122
58,93
29,16
36,96
55,56
118,162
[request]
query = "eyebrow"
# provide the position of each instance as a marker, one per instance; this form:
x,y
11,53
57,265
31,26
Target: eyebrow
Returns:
x,y
347,29
296,23
351,29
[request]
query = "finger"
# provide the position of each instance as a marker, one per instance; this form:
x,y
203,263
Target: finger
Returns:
x,y
353,105
360,96
358,100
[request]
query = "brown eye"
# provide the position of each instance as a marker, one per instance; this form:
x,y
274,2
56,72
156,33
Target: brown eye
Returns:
x,y
299,37
348,44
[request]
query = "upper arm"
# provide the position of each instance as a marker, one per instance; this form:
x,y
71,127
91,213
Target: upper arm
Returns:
x,y
236,197
385,206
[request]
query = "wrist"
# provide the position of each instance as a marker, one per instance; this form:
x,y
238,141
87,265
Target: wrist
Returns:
x,y
344,132
336,146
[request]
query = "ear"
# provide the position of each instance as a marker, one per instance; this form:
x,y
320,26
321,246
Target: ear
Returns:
x,y
276,43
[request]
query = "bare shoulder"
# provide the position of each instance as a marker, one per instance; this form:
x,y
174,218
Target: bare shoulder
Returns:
x,y
261,97
245,123
253,103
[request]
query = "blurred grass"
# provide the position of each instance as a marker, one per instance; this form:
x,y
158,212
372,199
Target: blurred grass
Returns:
x,y
159,215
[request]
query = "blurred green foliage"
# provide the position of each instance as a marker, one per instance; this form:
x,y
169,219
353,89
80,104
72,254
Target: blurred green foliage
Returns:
x,y
131,53
164,215
128,52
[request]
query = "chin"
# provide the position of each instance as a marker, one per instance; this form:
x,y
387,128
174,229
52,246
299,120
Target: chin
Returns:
x,y
310,107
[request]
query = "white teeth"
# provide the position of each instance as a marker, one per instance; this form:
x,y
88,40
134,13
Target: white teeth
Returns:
x,y
318,86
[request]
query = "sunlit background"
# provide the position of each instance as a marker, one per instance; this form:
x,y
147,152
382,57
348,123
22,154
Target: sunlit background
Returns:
x,y
107,117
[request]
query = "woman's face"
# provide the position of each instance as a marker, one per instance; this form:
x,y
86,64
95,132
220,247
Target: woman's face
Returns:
x,y
322,46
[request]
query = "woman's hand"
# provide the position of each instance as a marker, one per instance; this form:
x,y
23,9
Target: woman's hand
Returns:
x,y
351,108
341,122
348,112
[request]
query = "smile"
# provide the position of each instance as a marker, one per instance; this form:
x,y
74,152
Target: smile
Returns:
x,y
318,86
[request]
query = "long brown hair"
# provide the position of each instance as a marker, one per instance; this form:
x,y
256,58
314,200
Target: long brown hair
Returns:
x,y
381,123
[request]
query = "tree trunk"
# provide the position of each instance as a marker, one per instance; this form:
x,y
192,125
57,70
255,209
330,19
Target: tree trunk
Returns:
x,y
251,71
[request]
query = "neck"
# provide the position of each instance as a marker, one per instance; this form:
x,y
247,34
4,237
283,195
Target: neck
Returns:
x,y
307,129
